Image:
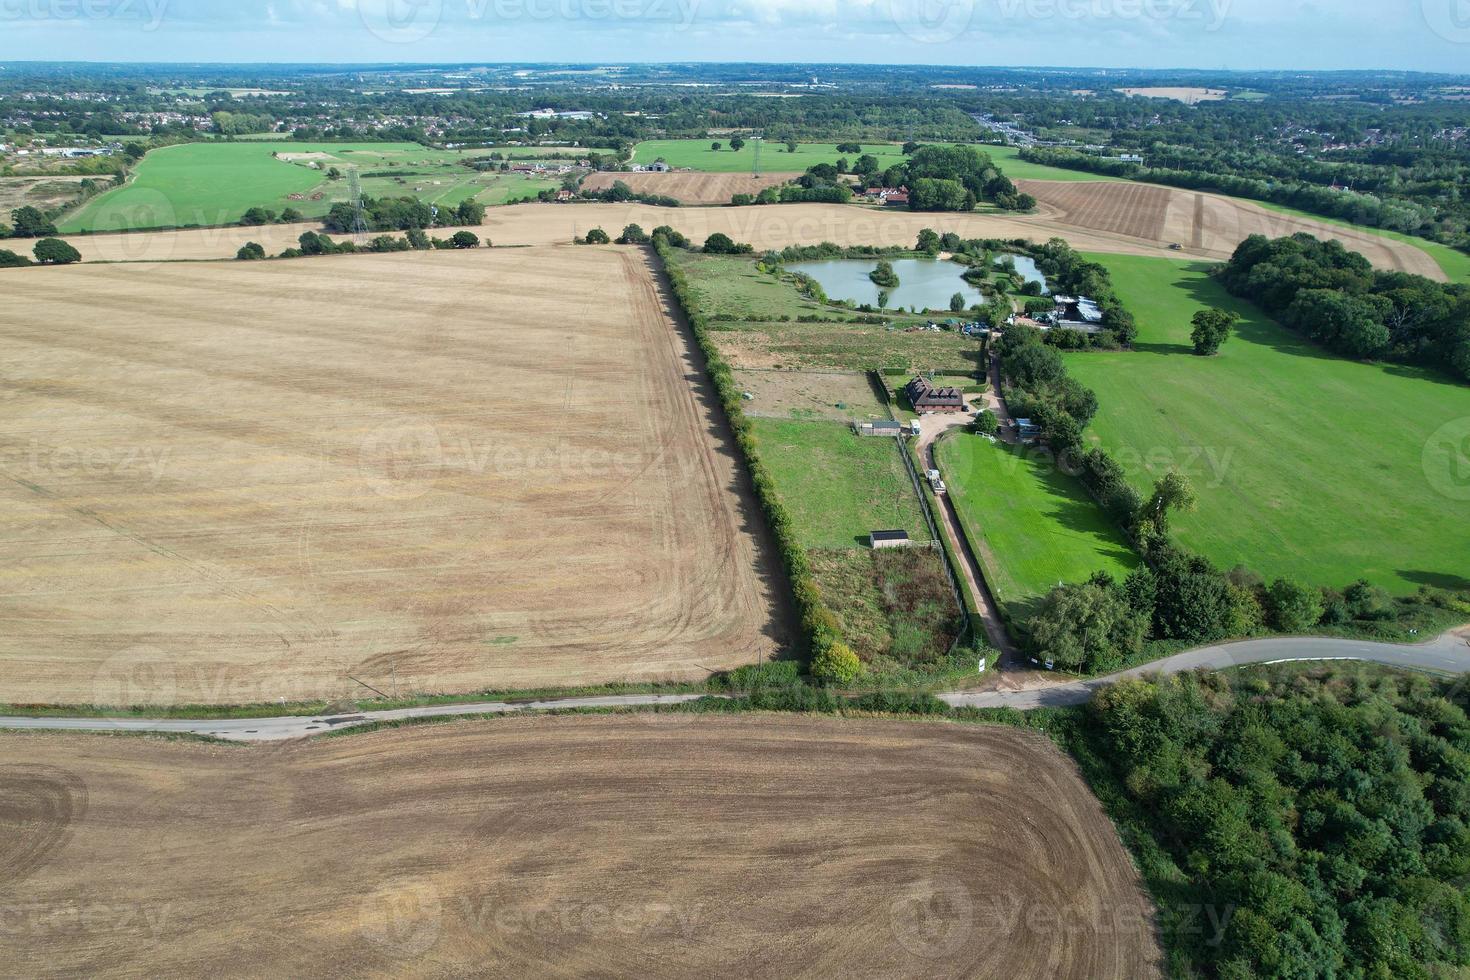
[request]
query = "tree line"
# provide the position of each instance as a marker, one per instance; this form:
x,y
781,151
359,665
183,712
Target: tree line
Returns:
x,y
1338,299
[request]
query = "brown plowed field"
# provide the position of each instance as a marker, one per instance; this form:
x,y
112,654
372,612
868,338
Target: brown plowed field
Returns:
x,y
1064,208
240,482
651,846
1205,224
691,187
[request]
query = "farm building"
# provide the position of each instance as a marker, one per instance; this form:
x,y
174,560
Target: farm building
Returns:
x,y
884,427
924,397
1078,313
889,539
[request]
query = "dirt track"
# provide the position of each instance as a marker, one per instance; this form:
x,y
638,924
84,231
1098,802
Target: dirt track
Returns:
x,y
1205,224
1089,215
690,187
239,482
663,845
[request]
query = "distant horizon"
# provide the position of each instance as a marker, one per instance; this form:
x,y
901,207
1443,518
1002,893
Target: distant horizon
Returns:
x,y
614,63
1430,36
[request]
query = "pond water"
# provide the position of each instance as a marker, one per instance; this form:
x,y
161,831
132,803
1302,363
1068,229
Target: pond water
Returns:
x,y
1026,266
926,284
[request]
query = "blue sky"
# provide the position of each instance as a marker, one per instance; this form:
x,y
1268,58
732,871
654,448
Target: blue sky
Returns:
x,y
1432,35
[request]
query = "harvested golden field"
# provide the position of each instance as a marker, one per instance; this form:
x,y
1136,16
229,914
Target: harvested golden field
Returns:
x,y
690,187
240,482
1210,225
1189,96
768,226
41,192
1107,216
648,845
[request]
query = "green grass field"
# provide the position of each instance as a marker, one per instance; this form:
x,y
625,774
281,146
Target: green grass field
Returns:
x,y
697,155
214,183
1039,524
1307,465
838,485
1008,159
1455,263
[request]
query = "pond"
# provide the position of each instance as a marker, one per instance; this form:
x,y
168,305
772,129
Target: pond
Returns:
x,y
926,284
1026,266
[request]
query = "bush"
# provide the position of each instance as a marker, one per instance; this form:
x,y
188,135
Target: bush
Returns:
x,y
10,260
721,244
633,235
258,216
836,663
250,251
464,239
987,423
54,251
417,238
1292,607
596,237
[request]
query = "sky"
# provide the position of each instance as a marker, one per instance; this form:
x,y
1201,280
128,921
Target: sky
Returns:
x,y
1425,35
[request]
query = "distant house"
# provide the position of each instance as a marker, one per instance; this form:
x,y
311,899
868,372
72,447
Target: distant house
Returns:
x,y
898,198
658,167
925,398
564,195
889,539
884,427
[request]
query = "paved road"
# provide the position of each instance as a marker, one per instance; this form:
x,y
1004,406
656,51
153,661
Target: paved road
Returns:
x,y
1450,653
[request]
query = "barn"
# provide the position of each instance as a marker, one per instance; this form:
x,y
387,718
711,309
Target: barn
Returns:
x,y
926,398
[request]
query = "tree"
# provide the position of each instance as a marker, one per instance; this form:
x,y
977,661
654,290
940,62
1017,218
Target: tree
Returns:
x,y
1172,492
597,237
909,148
633,234
883,275
312,243
1087,628
10,260
737,144
849,148
1293,608
957,303
470,212
464,239
929,241
987,423
791,146
836,663
1211,329
715,146
934,194
417,238
257,216
291,214
134,151
29,222
54,251
721,244
250,251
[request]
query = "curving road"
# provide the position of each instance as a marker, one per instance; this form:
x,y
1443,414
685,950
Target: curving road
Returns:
x,y
1448,654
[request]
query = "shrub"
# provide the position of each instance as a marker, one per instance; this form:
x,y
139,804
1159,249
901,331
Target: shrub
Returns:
x,y
54,251
633,235
1292,607
596,237
721,244
10,260
250,251
836,663
464,239
258,216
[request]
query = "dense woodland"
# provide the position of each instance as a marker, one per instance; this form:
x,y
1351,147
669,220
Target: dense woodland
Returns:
x,y
1293,826
1339,300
